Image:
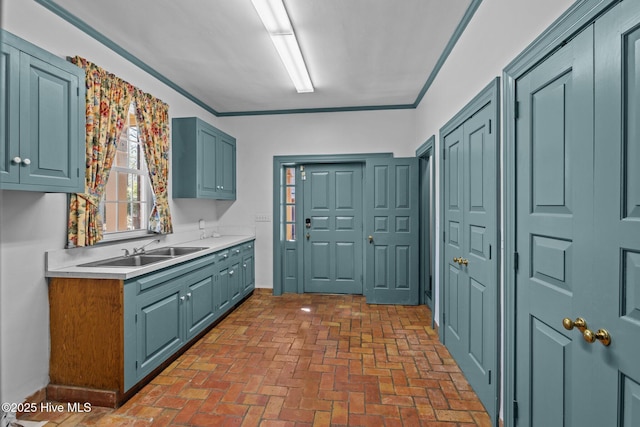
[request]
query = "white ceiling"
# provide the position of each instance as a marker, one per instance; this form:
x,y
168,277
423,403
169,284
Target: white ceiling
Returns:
x,y
360,53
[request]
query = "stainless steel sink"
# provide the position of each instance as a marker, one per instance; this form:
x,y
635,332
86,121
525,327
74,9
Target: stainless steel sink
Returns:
x,y
175,250
128,261
149,257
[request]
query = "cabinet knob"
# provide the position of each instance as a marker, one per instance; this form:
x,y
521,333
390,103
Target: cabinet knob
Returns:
x,y
231,273
237,251
225,256
26,162
249,246
182,298
17,160
244,265
189,295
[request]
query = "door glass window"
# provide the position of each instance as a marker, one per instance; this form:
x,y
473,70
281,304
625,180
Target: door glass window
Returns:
x,y
290,203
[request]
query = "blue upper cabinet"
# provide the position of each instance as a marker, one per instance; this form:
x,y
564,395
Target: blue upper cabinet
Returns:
x,y
42,118
204,160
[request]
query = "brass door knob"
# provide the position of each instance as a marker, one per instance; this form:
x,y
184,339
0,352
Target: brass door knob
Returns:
x,y
370,239
602,335
457,260
579,323
464,261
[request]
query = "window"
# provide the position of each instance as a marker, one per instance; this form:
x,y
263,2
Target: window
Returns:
x,y
290,203
128,198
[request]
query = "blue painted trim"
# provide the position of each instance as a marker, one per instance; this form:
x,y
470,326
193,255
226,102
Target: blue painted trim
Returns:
x,y
425,149
89,30
318,110
471,10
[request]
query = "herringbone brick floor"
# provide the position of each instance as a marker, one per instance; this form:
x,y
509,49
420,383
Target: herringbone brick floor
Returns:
x,y
305,360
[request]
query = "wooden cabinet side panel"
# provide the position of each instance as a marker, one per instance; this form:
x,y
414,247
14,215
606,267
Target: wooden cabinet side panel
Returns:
x,y
87,333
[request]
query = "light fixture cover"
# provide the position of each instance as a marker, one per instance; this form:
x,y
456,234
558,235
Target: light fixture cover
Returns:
x,y
275,19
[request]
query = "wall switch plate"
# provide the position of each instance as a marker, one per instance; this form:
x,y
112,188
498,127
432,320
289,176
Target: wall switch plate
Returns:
x,y
201,224
263,218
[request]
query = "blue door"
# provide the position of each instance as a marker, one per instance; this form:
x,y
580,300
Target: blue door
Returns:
x,y
470,282
615,290
332,234
392,230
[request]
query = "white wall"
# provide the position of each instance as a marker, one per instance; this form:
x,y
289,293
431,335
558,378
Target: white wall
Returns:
x,y
33,223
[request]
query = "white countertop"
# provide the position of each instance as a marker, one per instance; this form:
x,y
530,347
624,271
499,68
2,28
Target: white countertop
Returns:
x,y
213,244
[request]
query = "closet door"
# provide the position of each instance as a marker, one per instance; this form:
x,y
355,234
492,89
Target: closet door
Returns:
x,y
470,206
616,255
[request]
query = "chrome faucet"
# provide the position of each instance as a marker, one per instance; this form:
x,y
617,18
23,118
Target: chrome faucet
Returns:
x,y
140,250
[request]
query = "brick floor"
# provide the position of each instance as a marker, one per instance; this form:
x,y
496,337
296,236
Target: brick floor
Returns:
x,y
304,360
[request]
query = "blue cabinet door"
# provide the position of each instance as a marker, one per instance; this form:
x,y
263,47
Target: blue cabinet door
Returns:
x,y
226,167
160,325
204,160
392,229
43,133
207,160
235,275
223,281
200,300
248,269
9,117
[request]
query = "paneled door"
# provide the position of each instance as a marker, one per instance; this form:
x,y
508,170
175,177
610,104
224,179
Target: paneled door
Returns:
x,y
554,237
332,233
578,230
470,284
392,227
616,253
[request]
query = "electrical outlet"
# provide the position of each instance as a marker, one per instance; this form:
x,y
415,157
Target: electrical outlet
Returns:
x,y
263,218
201,224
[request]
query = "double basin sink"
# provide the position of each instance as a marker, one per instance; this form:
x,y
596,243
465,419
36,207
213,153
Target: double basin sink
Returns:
x,y
146,258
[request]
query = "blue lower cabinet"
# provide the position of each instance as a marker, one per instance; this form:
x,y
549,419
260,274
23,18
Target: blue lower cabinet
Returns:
x,y
169,309
235,274
136,326
201,303
248,268
166,309
159,326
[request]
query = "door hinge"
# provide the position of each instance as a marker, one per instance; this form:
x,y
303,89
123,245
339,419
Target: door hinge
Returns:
x,y
516,259
78,172
444,236
516,110
136,364
489,126
515,409
136,318
77,91
444,317
444,154
489,376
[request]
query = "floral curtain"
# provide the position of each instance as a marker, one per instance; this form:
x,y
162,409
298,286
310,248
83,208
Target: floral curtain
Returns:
x,y
108,100
153,123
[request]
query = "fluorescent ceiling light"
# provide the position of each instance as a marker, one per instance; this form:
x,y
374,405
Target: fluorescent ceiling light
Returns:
x,y
276,21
